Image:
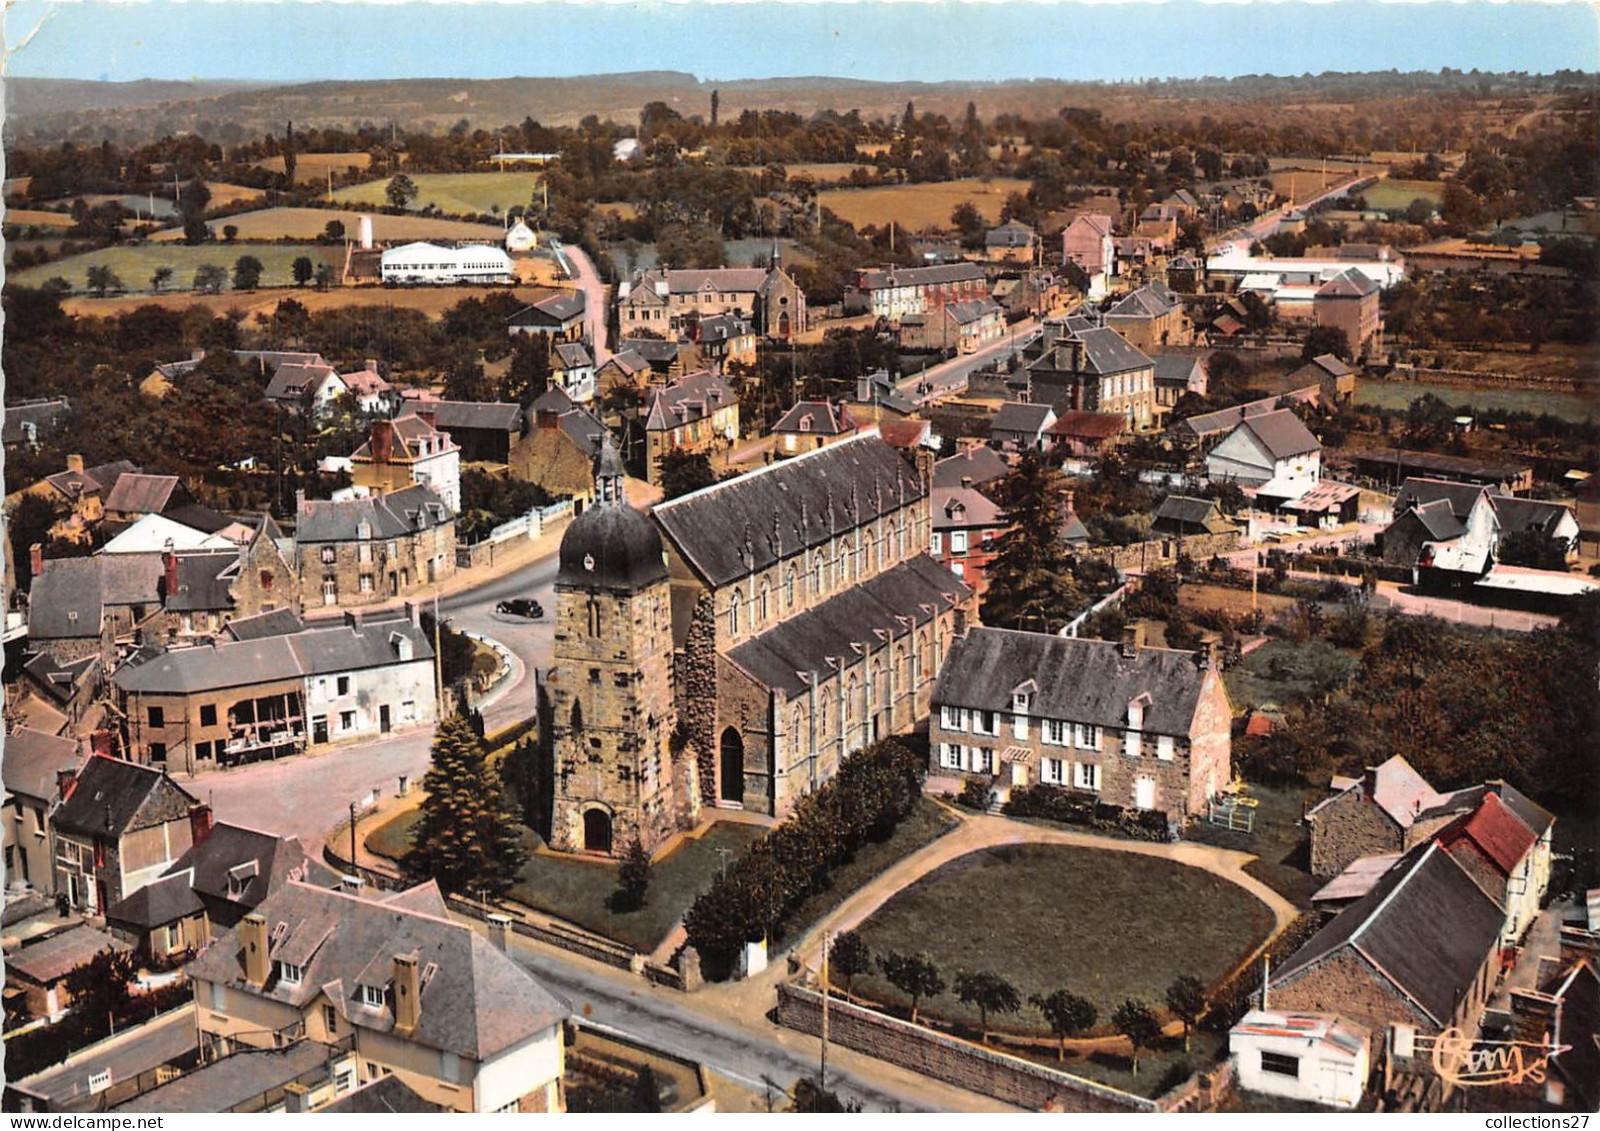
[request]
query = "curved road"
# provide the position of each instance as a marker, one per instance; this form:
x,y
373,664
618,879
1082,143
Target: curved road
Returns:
x,y
594,298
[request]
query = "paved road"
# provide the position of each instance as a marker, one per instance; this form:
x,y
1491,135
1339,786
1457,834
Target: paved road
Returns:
x,y
951,376
594,294
306,796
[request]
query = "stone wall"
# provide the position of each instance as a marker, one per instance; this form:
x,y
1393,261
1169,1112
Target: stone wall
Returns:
x,y
1347,827
1158,552
985,1071
1345,985
696,670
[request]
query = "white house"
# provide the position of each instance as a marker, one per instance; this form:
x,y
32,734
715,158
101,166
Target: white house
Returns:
x,y
429,263
1314,1057
1274,453
520,238
572,368
156,532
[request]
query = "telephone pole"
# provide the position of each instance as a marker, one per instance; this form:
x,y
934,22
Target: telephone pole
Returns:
x,y
822,1072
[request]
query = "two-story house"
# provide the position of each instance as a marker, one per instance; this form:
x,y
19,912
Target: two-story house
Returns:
x,y
1022,427
35,763
724,339
965,526
415,994
1087,243
1151,319
956,327
366,551
1447,533
891,293
119,825
809,425
696,413
559,317
572,370
1274,453
1088,368
1348,302
409,451
1141,728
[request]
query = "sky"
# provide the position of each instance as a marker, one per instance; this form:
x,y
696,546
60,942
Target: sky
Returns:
x,y
932,40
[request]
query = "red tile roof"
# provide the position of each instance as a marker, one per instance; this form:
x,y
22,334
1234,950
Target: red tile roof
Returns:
x,y
1495,831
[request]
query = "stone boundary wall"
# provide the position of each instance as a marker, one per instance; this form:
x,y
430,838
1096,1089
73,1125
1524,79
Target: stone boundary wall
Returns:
x,y
985,1071
1158,552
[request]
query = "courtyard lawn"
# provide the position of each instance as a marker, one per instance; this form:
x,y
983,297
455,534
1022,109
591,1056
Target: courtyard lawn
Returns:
x,y
1400,394
452,193
1106,925
1278,840
916,207
135,264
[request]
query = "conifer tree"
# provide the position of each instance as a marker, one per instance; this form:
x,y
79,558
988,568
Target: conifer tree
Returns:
x,y
1031,586
468,838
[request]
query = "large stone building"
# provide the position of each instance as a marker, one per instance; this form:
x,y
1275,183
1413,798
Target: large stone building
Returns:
x,y
1090,368
808,616
610,692
664,300
409,452
366,551
696,413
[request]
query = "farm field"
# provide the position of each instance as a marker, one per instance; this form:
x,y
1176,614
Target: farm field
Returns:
x,y
430,301
1303,184
134,265
309,223
36,218
1387,195
309,167
457,193
921,206
223,193
824,172
1400,394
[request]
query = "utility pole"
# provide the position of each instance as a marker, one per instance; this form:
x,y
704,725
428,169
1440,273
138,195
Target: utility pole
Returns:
x,y
438,655
353,864
822,1072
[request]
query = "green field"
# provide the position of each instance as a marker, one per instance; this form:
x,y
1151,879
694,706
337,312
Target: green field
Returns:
x,y
134,265
452,193
1400,394
309,223
1388,195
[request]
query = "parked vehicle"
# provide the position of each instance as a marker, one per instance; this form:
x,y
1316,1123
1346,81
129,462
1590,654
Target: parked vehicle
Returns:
x,y
521,607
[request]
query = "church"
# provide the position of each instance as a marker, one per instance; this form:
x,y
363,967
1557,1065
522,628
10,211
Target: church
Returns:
x,y
732,648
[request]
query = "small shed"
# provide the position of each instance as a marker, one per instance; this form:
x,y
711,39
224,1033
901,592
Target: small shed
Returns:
x,y
1315,1057
40,967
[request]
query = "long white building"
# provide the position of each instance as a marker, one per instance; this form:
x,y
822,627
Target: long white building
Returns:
x,y
429,263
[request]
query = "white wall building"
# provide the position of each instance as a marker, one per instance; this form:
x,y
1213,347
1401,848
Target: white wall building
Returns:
x,y
1273,452
428,263
1315,1057
520,238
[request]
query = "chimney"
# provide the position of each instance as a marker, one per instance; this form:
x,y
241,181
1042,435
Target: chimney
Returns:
x,y
1369,782
1066,501
382,441
253,938
966,481
169,570
407,994
352,619
36,558
1132,638
201,823
75,462
296,1098
1266,978
300,507
499,930
372,365
1533,1016
66,782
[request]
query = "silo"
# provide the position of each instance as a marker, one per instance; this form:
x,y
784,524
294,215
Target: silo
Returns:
x,y
366,233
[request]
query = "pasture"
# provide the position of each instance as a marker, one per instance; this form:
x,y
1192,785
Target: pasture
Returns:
x,y
309,223
1400,394
1389,195
452,193
917,207
136,264
311,167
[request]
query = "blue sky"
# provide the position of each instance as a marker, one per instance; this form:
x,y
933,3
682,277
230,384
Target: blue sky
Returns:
x,y
308,40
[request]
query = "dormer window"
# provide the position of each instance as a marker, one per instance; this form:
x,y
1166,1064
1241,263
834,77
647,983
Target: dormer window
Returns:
x,y
370,996
290,973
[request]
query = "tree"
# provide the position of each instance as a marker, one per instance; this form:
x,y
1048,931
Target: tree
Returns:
x,y
716,105
102,279
914,975
1137,1021
333,232
528,375
1186,997
464,380
633,879
401,190
192,203
28,524
849,956
810,1097
467,839
303,269
230,232
683,471
159,278
968,222
99,988
1067,1013
1031,586
324,276
1533,548
989,993
247,273
1326,339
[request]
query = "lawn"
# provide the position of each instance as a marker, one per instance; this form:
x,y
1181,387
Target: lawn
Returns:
x,y
452,193
1389,195
1277,839
1400,394
135,264
920,206
309,223
1281,670
1106,925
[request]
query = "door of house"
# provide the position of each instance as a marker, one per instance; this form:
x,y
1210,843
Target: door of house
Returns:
x,y
319,729
1144,793
1019,774
383,718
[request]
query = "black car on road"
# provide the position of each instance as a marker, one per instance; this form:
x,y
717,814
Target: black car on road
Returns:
x,y
520,607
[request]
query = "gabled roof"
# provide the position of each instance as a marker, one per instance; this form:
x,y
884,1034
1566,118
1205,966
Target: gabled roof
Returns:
x,y
724,280
244,866
816,418
687,400
161,901
1282,434
558,308
731,528
1092,222
1077,424
112,797
1330,365
904,433
653,351
1495,831
963,313
36,419
64,601
628,360
1153,300
1417,491
1185,510
205,582
572,355
32,760
1425,926
299,380
1105,352
490,416
1029,419
91,481
714,329
1577,990
1438,519
366,382
1085,681
979,463
243,1075
1529,515
1177,369
476,1002
138,493
958,508
55,956
1347,284
937,275
391,515
275,622
1013,233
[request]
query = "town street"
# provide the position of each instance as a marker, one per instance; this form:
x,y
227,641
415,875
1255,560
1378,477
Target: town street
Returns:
x,y
951,376
594,298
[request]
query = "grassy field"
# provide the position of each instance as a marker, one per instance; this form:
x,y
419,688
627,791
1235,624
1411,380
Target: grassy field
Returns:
x,y
1280,670
920,206
823,172
1400,394
432,301
454,193
134,265
309,223
1387,195
309,167
1304,183
36,218
1106,925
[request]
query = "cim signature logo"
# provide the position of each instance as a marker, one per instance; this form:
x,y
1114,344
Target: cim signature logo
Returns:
x,y
1467,1063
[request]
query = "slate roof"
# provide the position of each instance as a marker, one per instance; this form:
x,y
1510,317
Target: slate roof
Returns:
x,y
488,416
235,1079
1086,681
61,681
64,602
1528,811
477,1003
263,862
1425,925
203,582
296,380
1186,511
242,663
1014,416
275,622
729,529
1347,284
161,901
1152,300
391,515
112,797
1282,433
572,355
892,603
688,399
715,329
57,955
138,493
937,275
957,508
1011,234
1533,515
629,360
1105,352
816,418
366,382
1416,491
972,310
383,1096
44,416
723,279
1227,419
1438,519
91,480
200,518
1176,369
561,307
978,463
32,759
904,433
1577,988
652,351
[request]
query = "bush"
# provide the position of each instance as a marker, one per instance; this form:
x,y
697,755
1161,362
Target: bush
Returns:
x,y
974,794
1238,994
1052,803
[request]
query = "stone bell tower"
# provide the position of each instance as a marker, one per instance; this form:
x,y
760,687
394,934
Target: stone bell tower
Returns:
x,y
610,688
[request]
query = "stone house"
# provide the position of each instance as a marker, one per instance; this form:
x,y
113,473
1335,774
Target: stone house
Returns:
x,y
416,996
234,701
369,550
1180,516
483,430
891,293
965,526
1087,434
1335,381
1372,816
1420,949
118,826
409,451
557,451
80,492
1087,243
1444,531
558,317
34,765
1141,728
81,608
1022,427
1274,452
696,413
1151,318
1349,302
1011,242
722,339
572,370
808,618
959,327
664,301
1089,368
625,369
809,425
1561,1008
1508,859
1177,374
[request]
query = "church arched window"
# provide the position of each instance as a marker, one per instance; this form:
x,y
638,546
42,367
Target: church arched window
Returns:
x,y
733,612
594,617
765,609
789,588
